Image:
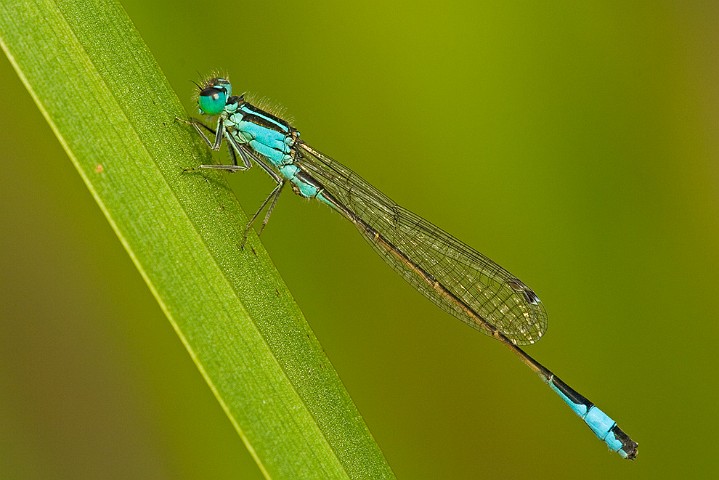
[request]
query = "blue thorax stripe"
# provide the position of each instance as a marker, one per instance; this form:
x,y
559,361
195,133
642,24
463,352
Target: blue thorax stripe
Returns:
x,y
263,118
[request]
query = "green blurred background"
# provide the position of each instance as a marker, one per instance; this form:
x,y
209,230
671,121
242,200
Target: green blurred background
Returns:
x,y
576,145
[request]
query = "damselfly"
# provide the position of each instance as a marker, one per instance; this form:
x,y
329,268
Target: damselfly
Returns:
x,y
456,277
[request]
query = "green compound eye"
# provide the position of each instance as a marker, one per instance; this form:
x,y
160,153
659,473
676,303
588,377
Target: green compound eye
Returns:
x,y
212,100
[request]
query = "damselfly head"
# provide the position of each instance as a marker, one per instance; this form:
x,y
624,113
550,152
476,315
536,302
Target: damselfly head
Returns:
x,y
213,95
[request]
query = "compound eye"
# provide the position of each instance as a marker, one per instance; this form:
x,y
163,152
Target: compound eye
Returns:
x,y
212,100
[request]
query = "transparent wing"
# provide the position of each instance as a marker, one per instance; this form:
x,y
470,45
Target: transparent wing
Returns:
x,y
494,296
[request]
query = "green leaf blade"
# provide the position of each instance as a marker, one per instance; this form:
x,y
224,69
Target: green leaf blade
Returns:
x,y
114,113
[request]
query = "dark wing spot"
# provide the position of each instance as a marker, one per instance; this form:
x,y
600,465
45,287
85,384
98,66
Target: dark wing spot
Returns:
x,y
529,295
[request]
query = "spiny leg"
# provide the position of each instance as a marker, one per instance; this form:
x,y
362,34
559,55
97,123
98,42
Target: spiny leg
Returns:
x,y
198,125
215,145
271,207
247,156
235,167
272,201
218,134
